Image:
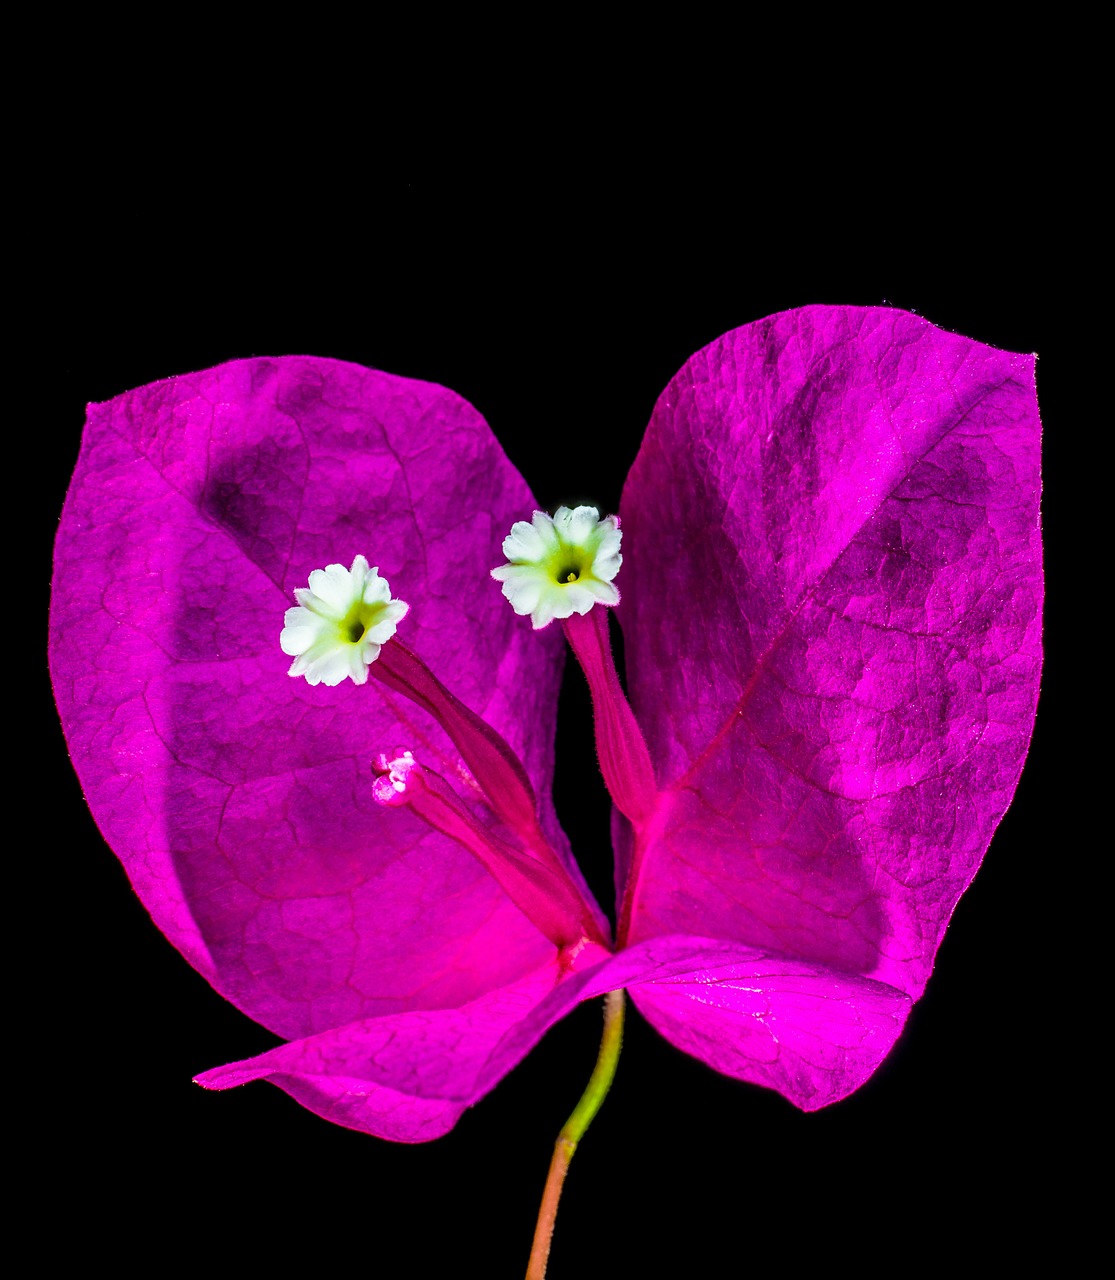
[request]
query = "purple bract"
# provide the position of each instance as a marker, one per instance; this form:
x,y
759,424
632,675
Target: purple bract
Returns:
x,y
831,603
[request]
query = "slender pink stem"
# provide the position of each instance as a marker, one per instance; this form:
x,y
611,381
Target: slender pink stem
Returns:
x,y
620,746
548,898
537,880
494,765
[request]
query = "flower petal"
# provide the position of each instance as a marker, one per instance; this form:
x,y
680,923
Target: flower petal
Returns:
x,y
377,590
813,1034
333,586
240,800
406,1077
524,542
840,713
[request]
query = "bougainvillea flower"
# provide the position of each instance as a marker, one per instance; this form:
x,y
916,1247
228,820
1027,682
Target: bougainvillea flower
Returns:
x,y
562,565
831,593
341,621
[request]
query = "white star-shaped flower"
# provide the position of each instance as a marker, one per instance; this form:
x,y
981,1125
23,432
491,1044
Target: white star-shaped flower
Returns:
x,y
561,566
341,621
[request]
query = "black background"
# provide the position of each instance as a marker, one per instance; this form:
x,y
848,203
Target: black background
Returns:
x,y
560,314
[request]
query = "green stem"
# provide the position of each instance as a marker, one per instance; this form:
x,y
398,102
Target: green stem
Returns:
x,y
574,1130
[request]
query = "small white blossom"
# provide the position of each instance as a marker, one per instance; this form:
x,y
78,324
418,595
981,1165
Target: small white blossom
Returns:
x,y
561,566
341,621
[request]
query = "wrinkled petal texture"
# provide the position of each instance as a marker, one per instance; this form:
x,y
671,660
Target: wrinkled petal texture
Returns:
x,y
839,712
239,799
794,1026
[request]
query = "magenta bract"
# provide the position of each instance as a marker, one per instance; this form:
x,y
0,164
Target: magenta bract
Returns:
x,y
852,684
831,598
239,799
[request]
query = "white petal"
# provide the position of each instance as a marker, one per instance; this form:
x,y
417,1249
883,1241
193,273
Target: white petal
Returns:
x,y
306,661
544,527
581,525
520,573
380,631
387,620
358,663
333,586
524,597
524,587
300,617
544,612
331,668
300,629
562,516
606,567
577,600
605,592
355,577
369,648
376,590
295,640
610,538
313,604
523,543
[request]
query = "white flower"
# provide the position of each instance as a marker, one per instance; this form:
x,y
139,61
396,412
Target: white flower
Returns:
x,y
340,623
561,566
